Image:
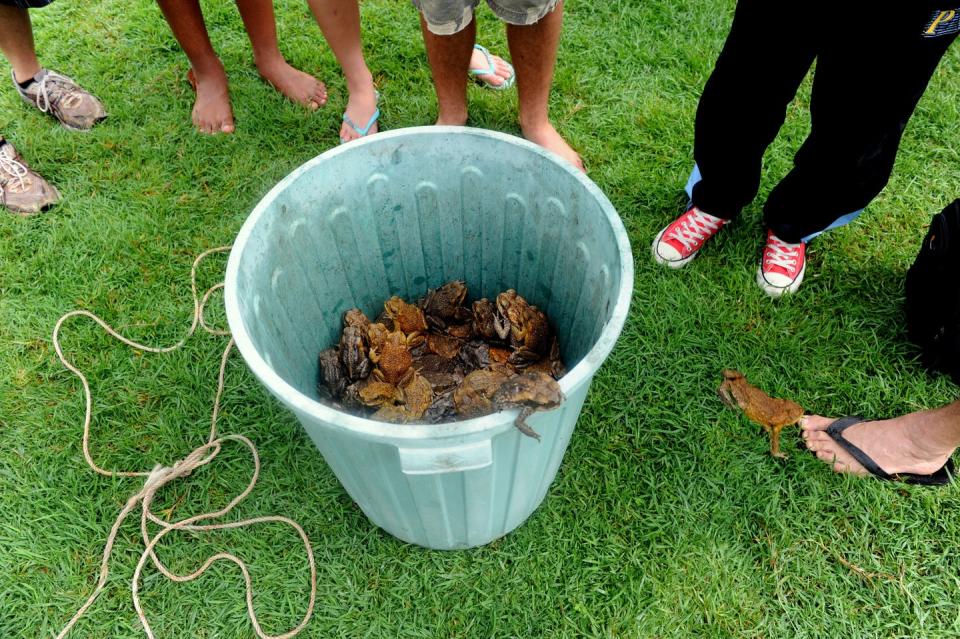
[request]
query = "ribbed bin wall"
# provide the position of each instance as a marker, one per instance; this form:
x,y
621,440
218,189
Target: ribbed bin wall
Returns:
x,y
396,214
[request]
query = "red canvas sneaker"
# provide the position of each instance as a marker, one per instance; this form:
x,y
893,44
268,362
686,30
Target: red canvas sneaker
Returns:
x,y
679,241
782,267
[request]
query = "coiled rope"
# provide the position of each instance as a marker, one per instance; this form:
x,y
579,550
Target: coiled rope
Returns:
x,y
160,476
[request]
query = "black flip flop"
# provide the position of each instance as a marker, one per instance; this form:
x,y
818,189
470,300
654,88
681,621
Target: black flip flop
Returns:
x,y
835,431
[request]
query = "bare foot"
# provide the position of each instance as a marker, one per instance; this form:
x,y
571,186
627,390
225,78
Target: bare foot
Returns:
x,y
300,87
211,111
502,70
547,137
893,444
361,106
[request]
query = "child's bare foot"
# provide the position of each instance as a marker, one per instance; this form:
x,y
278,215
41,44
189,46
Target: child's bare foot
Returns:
x,y
211,111
547,137
300,87
361,106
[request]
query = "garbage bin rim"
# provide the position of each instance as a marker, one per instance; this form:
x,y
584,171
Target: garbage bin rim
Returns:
x,y
580,374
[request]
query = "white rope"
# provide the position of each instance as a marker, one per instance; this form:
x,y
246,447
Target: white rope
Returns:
x,y
161,476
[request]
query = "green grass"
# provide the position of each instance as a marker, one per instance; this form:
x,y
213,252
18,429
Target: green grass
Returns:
x,y
667,518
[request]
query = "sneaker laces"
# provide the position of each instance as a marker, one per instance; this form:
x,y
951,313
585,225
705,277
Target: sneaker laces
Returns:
x,y
55,88
12,167
780,253
694,228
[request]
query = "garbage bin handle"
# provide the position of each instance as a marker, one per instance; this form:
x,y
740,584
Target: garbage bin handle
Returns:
x,y
447,459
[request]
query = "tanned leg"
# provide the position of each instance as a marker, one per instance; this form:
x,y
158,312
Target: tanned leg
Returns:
x,y
534,52
917,443
449,58
340,22
16,42
261,25
211,112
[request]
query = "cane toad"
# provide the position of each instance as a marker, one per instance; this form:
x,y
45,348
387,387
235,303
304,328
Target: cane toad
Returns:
x,y
460,331
378,393
393,358
353,354
475,354
529,330
406,402
530,392
331,373
551,364
356,317
417,395
769,412
443,345
406,317
475,394
484,319
445,304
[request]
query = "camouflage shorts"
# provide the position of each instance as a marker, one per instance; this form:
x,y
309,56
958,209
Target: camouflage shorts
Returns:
x,y
446,17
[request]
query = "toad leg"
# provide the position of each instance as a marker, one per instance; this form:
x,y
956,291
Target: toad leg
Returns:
x,y
521,423
775,442
724,394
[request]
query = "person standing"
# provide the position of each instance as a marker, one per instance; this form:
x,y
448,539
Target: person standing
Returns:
x,y
212,112
874,61
533,34
22,190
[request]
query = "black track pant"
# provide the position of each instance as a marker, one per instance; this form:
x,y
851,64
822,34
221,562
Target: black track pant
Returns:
x,y
873,64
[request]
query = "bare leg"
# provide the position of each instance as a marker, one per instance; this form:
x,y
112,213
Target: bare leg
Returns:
x,y
917,443
449,58
534,51
211,112
340,22
261,25
16,42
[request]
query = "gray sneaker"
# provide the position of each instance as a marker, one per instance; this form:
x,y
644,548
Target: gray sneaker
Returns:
x,y
22,191
62,98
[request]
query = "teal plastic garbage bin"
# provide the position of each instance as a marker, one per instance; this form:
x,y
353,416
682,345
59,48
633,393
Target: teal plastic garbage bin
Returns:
x,y
396,214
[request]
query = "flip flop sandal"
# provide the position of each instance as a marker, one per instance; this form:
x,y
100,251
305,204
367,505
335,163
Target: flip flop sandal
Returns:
x,y
491,70
835,431
362,131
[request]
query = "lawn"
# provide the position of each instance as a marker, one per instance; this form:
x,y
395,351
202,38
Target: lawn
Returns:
x,y
667,518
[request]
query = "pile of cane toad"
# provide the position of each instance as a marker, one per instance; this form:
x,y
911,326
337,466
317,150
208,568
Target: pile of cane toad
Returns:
x,y
439,360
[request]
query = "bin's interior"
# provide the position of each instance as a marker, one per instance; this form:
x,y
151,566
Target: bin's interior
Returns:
x,y
352,229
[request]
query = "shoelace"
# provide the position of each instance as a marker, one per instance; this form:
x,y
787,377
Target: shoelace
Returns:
x,y
13,168
696,228
47,98
780,253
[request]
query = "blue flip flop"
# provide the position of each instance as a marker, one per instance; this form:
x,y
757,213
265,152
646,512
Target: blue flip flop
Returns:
x,y
362,131
491,70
